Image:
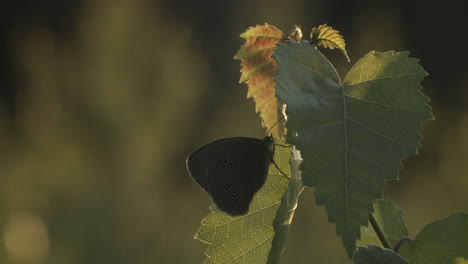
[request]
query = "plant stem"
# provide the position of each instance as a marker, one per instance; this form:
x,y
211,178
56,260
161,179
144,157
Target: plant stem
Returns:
x,y
379,231
399,243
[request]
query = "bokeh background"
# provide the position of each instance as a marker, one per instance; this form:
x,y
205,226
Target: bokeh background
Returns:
x,y
101,102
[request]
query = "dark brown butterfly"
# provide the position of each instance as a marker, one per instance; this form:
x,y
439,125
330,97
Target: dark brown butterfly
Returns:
x,y
232,170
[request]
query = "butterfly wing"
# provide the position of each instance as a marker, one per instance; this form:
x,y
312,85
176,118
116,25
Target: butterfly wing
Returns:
x,y
231,170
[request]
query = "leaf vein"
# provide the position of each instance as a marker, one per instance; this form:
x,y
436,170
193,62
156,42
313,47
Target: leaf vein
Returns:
x,y
379,134
311,70
385,105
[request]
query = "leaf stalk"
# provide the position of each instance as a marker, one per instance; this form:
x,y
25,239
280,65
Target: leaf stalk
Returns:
x,y
399,243
379,231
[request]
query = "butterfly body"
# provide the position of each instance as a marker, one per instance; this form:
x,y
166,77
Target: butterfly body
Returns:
x,y
232,170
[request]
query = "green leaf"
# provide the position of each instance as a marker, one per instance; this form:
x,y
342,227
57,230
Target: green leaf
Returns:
x,y
440,242
352,136
328,37
374,254
390,220
248,238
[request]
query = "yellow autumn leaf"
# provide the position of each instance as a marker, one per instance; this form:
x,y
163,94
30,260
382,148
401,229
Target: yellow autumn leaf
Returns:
x,y
328,37
258,70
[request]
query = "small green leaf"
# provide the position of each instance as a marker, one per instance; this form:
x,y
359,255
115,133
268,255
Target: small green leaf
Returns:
x,y
328,37
377,255
352,136
248,238
390,220
442,241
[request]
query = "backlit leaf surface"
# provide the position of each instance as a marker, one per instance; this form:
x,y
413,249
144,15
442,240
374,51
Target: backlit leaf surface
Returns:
x,y
391,222
352,135
258,70
328,37
444,241
377,255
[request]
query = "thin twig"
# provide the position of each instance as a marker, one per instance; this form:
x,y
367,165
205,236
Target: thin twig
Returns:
x,y
399,243
379,231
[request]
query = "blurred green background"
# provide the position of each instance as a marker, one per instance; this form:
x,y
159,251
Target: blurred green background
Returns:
x,y
101,102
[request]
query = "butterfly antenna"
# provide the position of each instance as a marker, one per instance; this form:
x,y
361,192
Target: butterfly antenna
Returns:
x,y
273,160
272,137
276,165
276,123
